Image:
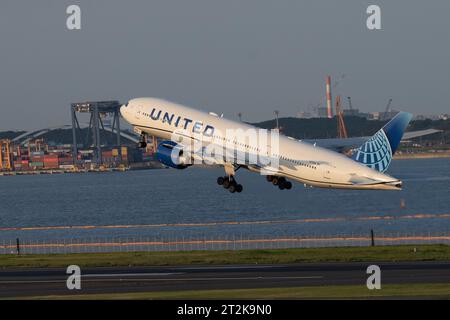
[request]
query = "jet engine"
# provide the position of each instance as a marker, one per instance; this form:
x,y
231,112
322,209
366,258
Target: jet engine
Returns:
x,y
170,154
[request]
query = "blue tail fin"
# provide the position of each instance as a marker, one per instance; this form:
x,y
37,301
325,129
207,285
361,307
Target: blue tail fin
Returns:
x,y
377,152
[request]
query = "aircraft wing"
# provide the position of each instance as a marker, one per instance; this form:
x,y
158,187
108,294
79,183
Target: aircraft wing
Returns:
x,y
420,133
338,144
351,143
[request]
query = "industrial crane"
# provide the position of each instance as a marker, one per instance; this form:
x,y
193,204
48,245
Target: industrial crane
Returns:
x,y
5,154
342,130
387,111
277,114
350,103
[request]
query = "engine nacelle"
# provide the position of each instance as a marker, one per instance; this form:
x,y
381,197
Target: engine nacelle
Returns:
x,y
170,154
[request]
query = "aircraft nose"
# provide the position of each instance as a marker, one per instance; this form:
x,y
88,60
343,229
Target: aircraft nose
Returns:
x,y
123,110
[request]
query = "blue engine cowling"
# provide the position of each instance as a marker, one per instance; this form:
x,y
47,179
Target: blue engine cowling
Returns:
x,y
170,154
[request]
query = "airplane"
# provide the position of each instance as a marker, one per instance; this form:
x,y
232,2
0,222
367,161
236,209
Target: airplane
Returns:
x,y
281,160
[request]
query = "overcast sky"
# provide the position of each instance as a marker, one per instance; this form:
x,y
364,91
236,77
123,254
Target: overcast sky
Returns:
x,y
229,56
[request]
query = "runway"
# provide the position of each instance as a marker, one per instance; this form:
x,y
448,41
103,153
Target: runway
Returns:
x,y
42,282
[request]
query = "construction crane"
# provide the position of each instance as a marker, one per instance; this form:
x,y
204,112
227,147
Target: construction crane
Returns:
x,y
387,111
339,80
350,103
277,113
341,129
38,144
328,97
5,154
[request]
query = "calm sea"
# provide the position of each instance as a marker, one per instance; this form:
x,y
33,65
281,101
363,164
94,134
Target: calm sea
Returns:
x,y
190,203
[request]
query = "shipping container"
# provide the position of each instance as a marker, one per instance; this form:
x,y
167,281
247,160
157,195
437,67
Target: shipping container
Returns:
x,y
37,153
21,168
51,165
36,164
50,156
66,166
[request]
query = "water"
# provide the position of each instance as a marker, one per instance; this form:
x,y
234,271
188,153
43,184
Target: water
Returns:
x,y
192,196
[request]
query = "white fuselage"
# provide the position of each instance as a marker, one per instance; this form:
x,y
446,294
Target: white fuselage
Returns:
x,y
297,160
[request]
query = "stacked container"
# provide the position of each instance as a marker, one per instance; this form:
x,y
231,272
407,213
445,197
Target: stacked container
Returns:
x,y
51,161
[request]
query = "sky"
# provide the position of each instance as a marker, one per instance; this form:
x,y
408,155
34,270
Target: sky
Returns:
x,y
248,56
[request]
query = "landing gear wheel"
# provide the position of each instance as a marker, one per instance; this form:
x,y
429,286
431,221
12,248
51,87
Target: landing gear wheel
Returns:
x,y
281,186
269,178
142,145
226,183
142,142
275,181
288,185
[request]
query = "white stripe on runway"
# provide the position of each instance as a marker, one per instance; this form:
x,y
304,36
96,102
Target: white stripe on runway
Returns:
x,y
162,279
124,275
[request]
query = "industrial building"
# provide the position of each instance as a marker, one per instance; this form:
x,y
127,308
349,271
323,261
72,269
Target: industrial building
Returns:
x,y
91,147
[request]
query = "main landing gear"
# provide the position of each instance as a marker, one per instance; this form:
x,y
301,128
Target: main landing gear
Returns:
x,y
281,182
230,184
142,141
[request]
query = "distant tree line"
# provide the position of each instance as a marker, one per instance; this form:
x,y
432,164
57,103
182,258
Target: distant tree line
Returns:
x,y
322,128
318,128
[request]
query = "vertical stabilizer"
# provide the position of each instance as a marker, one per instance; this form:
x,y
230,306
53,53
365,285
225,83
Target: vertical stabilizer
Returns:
x,y
377,152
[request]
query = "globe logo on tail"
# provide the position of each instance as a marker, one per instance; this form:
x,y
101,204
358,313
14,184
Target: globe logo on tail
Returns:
x,y
376,153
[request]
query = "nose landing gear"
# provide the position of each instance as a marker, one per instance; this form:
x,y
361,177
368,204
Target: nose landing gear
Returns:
x,y
230,184
142,144
281,182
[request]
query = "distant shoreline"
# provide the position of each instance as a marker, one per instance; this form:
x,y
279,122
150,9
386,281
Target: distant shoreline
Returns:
x,y
422,155
401,156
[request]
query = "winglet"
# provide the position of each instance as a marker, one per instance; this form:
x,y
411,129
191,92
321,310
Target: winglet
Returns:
x,y
377,152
